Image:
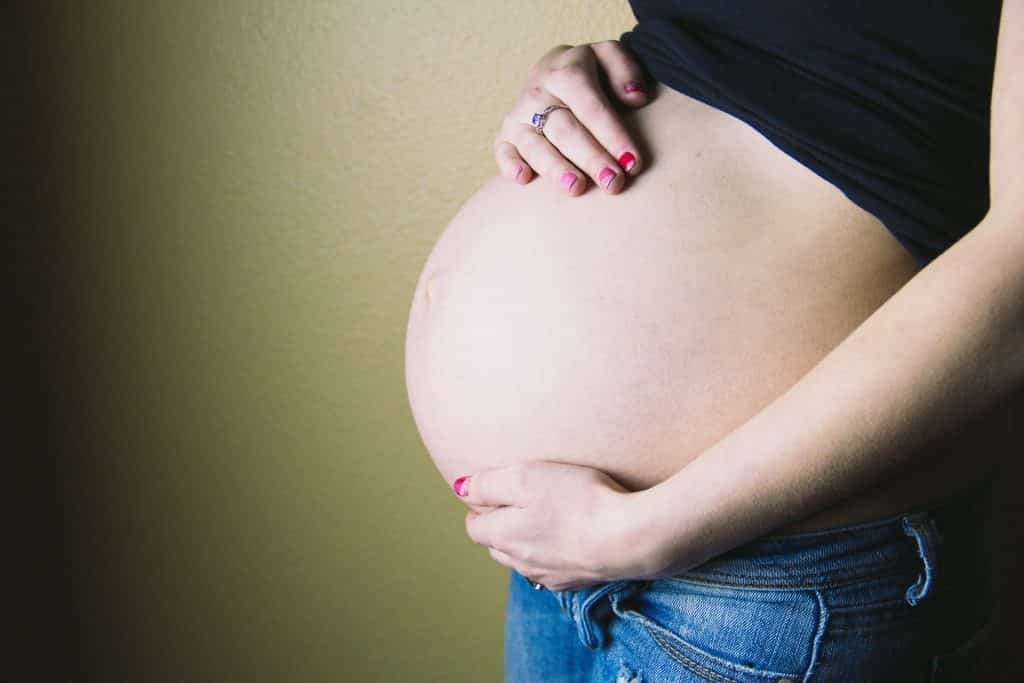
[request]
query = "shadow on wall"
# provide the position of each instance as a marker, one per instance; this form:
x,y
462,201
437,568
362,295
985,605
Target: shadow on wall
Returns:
x,y
219,214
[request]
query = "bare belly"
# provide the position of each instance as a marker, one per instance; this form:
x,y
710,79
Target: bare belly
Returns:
x,y
631,332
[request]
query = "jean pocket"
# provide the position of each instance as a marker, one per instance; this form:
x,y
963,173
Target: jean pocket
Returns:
x,y
727,634
965,662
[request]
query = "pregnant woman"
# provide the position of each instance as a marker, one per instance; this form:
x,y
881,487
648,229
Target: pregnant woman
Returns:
x,y
726,360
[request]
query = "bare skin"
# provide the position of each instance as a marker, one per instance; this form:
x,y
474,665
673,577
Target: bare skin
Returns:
x,y
629,333
915,403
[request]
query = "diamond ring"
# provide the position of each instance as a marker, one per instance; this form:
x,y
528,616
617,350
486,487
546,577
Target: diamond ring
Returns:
x,y
538,119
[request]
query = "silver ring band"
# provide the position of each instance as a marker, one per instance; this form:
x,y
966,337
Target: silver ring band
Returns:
x,y
537,586
540,118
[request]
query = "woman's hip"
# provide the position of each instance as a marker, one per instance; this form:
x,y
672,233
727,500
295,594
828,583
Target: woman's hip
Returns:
x,y
899,599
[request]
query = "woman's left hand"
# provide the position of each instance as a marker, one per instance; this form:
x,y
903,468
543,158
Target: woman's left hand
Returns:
x,y
564,526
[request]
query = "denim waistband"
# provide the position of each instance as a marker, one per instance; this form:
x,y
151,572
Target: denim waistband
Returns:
x,y
830,557
945,540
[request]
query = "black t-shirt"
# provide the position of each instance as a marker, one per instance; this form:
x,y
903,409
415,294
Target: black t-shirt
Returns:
x,y
889,100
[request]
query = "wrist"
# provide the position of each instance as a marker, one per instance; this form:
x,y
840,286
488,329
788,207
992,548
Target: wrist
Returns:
x,y
656,536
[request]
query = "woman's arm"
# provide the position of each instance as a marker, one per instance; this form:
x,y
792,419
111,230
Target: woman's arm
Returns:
x,y
944,349
948,347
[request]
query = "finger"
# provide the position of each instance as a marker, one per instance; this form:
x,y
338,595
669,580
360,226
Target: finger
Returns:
x,y
483,508
491,528
551,55
502,486
626,78
505,559
527,572
510,164
581,92
575,142
544,158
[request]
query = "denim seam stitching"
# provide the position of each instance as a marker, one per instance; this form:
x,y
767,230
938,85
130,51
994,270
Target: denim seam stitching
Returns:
x,y
860,608
876,626
669,648
850,571
851,576
823,615
674,643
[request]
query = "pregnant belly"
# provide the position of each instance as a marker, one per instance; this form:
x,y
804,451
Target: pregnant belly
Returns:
x,y
631,332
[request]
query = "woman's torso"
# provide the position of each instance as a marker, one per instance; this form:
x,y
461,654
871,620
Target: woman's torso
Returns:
x,y
629,333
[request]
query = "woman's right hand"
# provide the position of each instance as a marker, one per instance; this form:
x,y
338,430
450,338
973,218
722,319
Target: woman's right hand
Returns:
x,y
585,140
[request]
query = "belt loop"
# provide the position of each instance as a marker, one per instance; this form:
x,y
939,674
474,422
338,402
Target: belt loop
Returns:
x,y
563,599
586,629
921,526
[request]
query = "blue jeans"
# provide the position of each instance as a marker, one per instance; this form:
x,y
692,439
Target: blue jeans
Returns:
x,y
903,599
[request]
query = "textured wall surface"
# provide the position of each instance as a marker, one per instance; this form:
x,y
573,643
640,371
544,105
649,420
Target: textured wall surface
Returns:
x,y
243,194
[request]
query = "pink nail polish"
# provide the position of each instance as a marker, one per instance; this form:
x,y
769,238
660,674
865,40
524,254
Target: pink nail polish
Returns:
x,y
635,86
461,486
606,176
568,180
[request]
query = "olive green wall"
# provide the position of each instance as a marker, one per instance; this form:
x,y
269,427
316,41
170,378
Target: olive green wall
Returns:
x,y
240,197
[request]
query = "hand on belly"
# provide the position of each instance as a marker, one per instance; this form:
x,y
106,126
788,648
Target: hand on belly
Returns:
x,y
628,333
564,526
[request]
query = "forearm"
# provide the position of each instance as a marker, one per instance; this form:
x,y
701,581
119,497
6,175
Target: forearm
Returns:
x,y
941,351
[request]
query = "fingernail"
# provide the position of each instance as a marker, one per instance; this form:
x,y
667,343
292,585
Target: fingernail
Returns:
x,y
568,180
461,486
519,172
627,161
635,86
606,176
